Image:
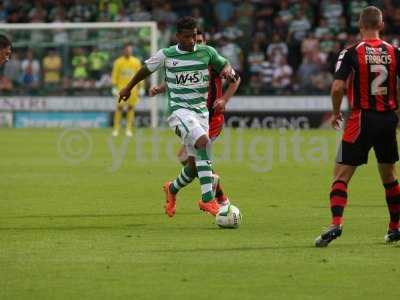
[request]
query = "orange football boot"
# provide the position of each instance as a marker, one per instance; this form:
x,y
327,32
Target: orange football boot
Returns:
x,y
211,207
170,202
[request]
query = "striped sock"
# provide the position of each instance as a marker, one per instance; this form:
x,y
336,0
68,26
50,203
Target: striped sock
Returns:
x,y
338,199
184,178
204,171
392,191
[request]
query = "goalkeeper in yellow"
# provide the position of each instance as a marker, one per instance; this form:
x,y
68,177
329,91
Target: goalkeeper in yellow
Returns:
x,y
124,68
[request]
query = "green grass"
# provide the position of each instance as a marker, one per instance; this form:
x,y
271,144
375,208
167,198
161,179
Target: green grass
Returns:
x,y
96,230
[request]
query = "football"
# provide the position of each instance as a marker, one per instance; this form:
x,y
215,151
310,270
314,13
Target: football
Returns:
x,y
228,216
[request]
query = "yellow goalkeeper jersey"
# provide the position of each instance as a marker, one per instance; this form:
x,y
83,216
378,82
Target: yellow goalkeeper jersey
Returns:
x,y
123,71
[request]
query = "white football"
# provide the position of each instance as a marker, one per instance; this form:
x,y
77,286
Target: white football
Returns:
x,y
228,217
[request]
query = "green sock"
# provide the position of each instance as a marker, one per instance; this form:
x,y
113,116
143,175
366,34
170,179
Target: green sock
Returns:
x,y
184,178
204,171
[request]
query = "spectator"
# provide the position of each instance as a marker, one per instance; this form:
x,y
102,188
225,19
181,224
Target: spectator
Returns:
x,y
98,61
309,68
30,71
233,53
244,19
80,69
309,30
266,75
282,77
52,65
82,11
259,34
3,13
37,14
164,13
354,10
277,49
111,8
223,11
255,58
13,69
284,12
139,14
332,10
299,27
322,29
322,81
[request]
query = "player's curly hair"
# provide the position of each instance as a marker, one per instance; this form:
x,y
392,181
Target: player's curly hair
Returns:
x,y
4,42
186,23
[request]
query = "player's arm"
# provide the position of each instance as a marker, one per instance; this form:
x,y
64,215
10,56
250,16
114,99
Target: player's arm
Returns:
x,y
219,104
342,72
151,65
158,89
221,65
125,93
142,84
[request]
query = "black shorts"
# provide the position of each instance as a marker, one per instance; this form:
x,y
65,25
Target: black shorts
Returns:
x,y
365,130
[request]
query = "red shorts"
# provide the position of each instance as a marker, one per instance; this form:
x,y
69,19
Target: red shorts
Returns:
x,y
216,125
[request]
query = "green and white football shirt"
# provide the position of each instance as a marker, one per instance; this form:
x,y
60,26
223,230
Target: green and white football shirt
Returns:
x,y
187,75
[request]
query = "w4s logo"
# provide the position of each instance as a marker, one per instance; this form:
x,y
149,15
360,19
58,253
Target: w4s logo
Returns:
x,y
188,78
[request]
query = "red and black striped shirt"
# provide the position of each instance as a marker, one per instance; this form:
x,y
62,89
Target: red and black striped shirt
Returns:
x,y
214,91
370,69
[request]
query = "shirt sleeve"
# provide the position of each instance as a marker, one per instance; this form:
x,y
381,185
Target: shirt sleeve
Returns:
x,y
343,65
156,61
217,62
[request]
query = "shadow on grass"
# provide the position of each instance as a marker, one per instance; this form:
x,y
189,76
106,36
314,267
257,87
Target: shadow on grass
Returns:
x,y
351,205
71,228
232,249
135,215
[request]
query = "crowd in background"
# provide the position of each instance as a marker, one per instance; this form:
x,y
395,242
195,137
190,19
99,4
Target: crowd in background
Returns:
x,y
279,47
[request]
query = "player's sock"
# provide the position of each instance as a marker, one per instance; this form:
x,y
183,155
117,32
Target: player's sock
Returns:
x,y
204,171
392,191
184,178
117,119
130,118
338,199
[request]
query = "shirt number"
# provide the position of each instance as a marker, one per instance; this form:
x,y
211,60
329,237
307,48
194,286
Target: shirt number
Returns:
x,y
376,84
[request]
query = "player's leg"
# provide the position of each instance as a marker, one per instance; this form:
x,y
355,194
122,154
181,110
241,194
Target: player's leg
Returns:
x,y
183,155
186,176
130,115
392,193
204,171
117,119
216,126
387,155
180,123
338,195
338,202
352,152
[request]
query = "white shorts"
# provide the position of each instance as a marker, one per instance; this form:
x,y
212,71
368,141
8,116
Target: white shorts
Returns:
x,y
189,126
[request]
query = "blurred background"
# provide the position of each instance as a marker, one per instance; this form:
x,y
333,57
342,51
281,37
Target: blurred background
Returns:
x,y
284,50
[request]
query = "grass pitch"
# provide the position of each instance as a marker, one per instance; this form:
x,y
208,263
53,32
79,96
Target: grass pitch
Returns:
x,y
81,217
